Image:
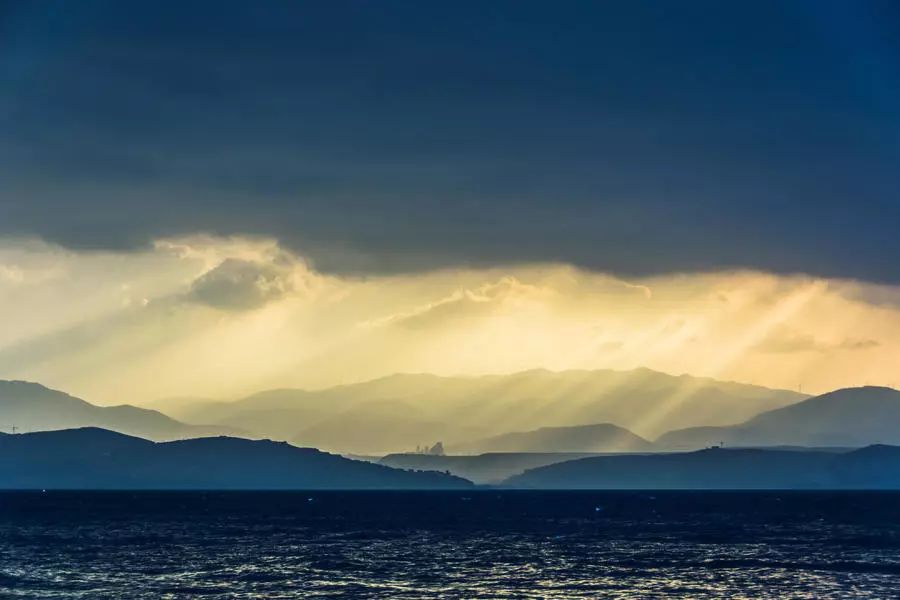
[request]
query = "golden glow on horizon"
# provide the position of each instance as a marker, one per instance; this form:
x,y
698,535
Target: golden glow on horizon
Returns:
x,y
206,316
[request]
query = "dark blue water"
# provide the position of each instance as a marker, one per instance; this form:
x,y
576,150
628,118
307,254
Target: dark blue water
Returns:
x,y
483,544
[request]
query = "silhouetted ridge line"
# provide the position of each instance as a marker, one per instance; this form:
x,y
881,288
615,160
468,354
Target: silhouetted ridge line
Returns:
x,y
93,458
874,467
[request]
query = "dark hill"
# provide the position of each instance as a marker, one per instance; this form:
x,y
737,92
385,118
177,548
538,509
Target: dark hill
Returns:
x,y
875,467
94,458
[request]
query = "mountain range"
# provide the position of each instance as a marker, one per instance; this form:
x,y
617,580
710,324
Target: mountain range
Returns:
x,y
477,415
91,458
850,417
399,412
32,407
837,421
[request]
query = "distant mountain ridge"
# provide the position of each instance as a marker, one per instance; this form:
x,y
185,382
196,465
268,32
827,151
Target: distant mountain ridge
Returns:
x,y
848,417
476,415
601,437
404,411
92,458
33,407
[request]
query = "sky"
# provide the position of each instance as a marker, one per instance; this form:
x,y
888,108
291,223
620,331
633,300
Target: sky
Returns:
x,y
210,198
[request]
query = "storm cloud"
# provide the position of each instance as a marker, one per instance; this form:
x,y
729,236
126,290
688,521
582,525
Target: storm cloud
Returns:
x,y
636,138
239,284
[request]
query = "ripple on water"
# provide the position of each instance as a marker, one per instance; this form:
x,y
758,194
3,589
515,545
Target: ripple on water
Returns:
x,y
555,546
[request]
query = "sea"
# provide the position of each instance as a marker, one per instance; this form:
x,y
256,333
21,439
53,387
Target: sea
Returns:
x,y
472,544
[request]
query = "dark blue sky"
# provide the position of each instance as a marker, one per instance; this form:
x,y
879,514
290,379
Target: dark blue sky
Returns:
x,y
634,137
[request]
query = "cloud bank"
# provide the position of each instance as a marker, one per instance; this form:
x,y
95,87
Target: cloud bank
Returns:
x,y
423,136
246,314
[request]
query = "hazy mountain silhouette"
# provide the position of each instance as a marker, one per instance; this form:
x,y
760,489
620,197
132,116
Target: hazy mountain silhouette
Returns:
x,y
847,417
174,405
377,426
33,407
719,468
428,408
92,458
279,414
487,468
603,437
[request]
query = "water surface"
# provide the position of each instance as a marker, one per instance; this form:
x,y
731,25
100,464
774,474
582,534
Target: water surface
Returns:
x,y
481,544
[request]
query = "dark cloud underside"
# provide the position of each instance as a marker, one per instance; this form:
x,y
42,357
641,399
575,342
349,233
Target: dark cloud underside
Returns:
x,y
637,137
